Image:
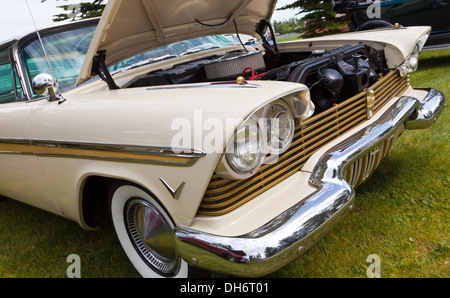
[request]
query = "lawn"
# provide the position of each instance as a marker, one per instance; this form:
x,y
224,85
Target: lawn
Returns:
x,y
401,215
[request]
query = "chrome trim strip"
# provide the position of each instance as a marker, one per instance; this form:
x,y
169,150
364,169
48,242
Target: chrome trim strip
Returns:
x,y
153,150
186,157
115,159
211,85
281,240
21,73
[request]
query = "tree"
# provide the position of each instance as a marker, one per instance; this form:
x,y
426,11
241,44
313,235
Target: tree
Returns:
x,y
287,26
319,18
80,11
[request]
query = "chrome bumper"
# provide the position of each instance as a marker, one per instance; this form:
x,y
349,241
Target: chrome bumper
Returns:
x,y
284,238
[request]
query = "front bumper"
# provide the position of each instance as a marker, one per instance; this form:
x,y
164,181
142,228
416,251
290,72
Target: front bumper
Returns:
x,y
287,236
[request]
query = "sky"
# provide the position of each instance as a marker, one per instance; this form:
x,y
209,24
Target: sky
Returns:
x,y
15,19
281,15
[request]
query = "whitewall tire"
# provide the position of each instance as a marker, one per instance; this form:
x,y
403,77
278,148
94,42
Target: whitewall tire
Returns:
x,y
145,232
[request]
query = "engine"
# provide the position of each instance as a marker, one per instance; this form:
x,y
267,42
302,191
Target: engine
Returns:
x,y
331,76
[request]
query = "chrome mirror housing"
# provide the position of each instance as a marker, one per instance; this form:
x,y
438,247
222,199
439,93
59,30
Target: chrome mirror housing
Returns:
x,y
45,84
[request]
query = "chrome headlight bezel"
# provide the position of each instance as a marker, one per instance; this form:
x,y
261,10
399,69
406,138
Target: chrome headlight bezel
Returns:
x,y
289,107
279,125
244,154
412,62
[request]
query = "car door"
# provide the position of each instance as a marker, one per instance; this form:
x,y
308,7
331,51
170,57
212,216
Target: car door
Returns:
x,y
405,12
20,175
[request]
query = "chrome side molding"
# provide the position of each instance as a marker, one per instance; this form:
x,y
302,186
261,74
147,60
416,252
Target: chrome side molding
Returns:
x,y
107,152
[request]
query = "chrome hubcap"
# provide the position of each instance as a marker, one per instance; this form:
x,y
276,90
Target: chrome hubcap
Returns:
x,y
151,236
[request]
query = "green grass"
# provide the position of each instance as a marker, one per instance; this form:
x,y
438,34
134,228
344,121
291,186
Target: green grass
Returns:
x,y
401,214
288,37
35,243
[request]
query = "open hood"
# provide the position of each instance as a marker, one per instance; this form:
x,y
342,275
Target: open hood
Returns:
x,y
130,27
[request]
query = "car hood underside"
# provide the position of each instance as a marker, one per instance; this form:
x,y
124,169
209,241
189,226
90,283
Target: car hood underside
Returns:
x,y
130,27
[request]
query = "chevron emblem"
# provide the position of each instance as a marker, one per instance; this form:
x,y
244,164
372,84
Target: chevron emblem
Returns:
x,y
175,193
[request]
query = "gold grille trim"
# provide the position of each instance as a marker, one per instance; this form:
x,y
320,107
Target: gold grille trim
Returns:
x,y
223,196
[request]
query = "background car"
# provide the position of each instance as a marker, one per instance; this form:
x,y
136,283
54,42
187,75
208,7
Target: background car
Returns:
x,y
434,13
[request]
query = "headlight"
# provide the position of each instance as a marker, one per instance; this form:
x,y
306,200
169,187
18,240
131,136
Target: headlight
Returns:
x,y
412,62
414,57
244,154
280,128
300,104
265,134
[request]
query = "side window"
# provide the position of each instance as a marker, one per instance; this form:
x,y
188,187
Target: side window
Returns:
x,y
7,80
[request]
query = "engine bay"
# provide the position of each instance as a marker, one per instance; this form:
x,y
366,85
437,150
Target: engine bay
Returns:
x,y
331,76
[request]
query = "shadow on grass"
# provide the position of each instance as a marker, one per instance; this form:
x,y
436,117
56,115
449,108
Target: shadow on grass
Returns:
x,y
430,62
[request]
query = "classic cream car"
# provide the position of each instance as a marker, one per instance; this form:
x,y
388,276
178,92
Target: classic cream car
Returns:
x,y
204,152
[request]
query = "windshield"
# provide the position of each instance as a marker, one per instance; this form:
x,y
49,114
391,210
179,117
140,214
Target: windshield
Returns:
x,y
66,51
176,49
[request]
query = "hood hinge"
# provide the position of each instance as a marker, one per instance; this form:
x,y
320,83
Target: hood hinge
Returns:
x,y
99,68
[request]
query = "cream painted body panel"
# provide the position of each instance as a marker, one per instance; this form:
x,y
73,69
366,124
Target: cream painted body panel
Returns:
x,y
144,117
14,120
103,116
397,43
68,184
21,174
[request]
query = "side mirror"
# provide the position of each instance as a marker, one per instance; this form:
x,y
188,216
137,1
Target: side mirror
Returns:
x,y
45,84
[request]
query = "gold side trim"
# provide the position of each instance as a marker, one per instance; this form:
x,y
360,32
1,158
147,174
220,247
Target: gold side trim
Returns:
x,y
109,152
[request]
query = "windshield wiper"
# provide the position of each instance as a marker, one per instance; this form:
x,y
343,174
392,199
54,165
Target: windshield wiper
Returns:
x,y
200,49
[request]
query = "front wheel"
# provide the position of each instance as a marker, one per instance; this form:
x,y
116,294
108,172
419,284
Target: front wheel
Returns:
x,y
145,232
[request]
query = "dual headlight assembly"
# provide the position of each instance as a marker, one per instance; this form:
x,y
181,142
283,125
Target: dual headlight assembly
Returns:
x,y
412,62
265,134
